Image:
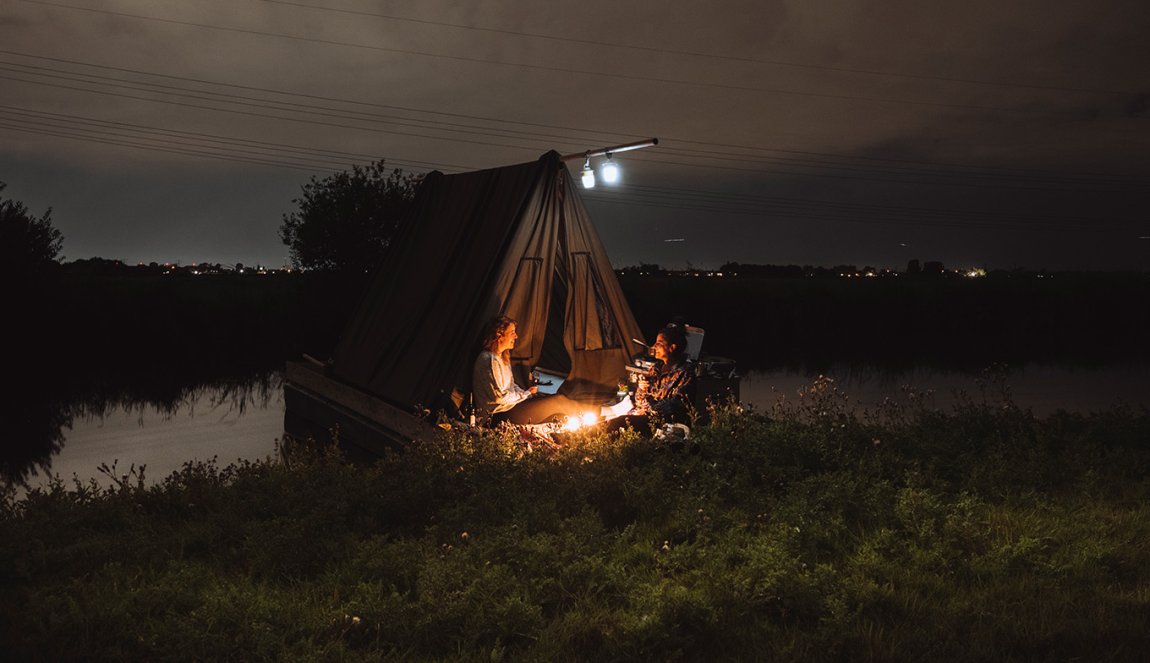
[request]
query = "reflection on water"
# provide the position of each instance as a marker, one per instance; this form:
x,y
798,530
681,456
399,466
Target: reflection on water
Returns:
x,y
244,419
1041,388
228,420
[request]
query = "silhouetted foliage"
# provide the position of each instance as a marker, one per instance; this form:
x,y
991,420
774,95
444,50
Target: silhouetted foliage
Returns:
x,y
26,243
346,221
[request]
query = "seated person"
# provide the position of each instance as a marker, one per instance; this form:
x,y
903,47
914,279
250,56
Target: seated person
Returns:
x,y
667,391
494,393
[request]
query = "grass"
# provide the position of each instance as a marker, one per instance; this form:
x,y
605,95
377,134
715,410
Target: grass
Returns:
x,y
800,533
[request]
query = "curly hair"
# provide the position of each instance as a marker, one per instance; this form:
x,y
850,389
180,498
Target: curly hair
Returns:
x,y
493,330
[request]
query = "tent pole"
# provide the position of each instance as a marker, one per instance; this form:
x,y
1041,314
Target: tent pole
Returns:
x,y
626,147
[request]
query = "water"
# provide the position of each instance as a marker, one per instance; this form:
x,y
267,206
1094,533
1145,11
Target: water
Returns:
x,y
212,423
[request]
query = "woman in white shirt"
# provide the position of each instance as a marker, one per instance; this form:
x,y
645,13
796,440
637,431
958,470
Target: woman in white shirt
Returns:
x,y
495,395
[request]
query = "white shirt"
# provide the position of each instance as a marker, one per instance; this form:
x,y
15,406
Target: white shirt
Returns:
x,y
493,387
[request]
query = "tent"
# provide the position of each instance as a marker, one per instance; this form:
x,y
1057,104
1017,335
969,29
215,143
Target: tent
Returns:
x,y
516,241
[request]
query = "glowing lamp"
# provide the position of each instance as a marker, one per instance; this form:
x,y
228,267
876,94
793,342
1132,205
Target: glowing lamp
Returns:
x,y
588,175
610,171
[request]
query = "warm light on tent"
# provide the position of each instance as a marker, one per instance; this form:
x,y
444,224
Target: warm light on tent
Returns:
x,y
588,175
609,171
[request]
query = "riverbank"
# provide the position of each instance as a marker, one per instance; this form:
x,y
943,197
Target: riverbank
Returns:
x,y
801,533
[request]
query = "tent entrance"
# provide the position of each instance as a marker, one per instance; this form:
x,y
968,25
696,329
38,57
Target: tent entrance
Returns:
x,y
554,357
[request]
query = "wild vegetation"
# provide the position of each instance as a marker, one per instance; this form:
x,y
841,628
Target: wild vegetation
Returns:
x,y
804,532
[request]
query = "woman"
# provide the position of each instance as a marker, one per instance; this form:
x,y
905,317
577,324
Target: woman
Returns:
x,y
494,393
667,391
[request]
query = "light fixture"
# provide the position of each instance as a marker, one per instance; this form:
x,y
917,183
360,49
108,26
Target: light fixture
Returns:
x,y
588,175
609,170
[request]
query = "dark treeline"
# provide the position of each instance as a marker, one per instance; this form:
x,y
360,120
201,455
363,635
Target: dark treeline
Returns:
x,y
768,320
121,328
88,338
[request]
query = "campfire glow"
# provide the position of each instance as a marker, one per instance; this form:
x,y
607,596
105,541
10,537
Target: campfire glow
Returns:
x,y
585,419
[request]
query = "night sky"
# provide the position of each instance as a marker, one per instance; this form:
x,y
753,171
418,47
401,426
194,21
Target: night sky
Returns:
x,y
978,133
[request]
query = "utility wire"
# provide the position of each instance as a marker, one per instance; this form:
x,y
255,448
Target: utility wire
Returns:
x,y
1000,183
678,196
265,115
857,209
753,199
90,139
782,207
700,54
825,216
552,69
37,114
329,156
594,136
278,105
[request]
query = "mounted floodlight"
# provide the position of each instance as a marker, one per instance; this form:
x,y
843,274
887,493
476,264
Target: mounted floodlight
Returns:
x,y
588,175
609,170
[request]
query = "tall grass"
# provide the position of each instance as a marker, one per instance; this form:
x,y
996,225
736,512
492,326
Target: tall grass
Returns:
x,y
803,532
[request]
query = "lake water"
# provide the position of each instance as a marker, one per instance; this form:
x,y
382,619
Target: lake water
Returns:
x,y
204,427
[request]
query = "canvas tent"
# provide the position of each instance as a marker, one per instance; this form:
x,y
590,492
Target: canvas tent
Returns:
x,y
515,241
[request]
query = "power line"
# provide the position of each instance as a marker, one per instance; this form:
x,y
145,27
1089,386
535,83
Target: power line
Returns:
x,y
551,69
700,54
729,203
799,214
932,177
667,195
90,139
265,115
324,158
950,182
278,105
320,97
814,214
944,182
599,135
753,199
656,197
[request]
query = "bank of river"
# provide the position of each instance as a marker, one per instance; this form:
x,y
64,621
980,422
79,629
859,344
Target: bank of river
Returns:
x,y
208,426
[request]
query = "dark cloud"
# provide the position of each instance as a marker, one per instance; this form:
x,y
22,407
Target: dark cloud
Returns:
x,y
848,108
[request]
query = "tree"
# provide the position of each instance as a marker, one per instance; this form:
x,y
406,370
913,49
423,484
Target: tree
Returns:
x,y
346,221
26,243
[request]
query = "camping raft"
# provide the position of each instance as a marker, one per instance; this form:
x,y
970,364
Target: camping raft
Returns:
x,y
515,241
